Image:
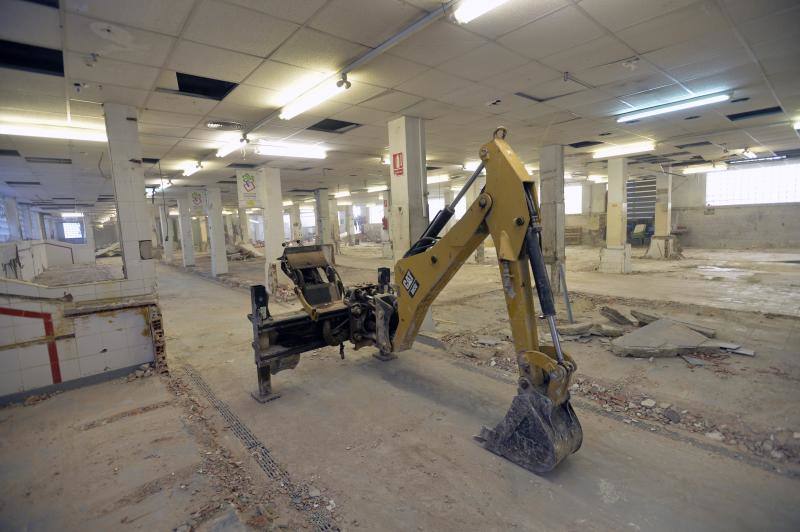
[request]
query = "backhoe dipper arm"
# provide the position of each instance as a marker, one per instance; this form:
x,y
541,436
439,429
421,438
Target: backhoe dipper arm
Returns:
x,y
507,209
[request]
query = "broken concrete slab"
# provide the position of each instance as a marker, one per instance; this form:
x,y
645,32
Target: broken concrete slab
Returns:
x,y
662,338
645,318
743,351
693,361
575,329
603,329
615,316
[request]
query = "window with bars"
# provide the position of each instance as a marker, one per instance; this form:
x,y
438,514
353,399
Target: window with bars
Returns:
x,y
72,230
641,199
753,186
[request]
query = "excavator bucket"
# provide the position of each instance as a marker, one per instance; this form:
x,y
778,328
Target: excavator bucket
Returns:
x,y
535,434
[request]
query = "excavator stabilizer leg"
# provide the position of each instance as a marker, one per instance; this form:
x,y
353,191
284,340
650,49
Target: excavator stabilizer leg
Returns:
x,y
534,434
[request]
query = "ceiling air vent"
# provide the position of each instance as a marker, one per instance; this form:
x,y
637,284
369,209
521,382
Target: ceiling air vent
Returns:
x,y
329,125
9,153
755,113
227,181
149,160
48,3
304,169
585,143
23,183
31,58
48,160
693,145
529,97
241,165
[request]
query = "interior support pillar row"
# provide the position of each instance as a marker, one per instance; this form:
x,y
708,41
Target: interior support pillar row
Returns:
x,y
663,244
333,210
551,170
88,233
323,216
167,234
216,230
134,221
616,256
294,221
12,216
348,223
185,227
244,225
270,198
408,211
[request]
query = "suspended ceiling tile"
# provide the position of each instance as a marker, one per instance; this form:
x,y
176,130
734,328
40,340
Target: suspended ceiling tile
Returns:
x,y
358,93
166,118
388,71
362,115
254,97
101,93
512,15
433,83
103,70
18,80
133,45
564,29
211,62
368,22
437,43
523,77
298,11
594,53
285,78
317,51
483,62
392,102
155,15
618,14
30,23
238,29
178,103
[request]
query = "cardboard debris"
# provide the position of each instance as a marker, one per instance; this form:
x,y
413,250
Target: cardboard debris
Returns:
x,y
663,338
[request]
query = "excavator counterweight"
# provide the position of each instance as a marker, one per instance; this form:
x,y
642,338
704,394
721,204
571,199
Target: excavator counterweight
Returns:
x,y
541,428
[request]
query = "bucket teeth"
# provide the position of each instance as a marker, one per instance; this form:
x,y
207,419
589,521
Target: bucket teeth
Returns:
x,y
534,434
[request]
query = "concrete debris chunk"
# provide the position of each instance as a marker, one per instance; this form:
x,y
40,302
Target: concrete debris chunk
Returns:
x,y
648,403
672,415
603,329
693,361
662,338
743,351
615,316
488,341
575,329
715,435
643,317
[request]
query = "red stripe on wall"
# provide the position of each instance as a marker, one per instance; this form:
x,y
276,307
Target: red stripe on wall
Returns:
x,y
49,331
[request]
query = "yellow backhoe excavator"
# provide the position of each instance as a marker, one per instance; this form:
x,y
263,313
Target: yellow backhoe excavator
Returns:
x,y
541,428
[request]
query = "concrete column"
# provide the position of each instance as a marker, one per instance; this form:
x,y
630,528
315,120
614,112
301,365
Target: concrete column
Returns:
x,y
216,230
88,232
348,223
12,216
333,210
616,256
662,244
244,225
294,221
133,219
598,203
551,170
185,227
203,234
37,232
167,234
408,211
323,215
472,194
268,189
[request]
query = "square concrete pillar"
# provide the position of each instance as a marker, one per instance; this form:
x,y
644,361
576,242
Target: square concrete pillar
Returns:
x,y
663,244
230,238
598,203
216,230
133,219
88,232
408,210
323,216
294,222
333,211
244,225
12,217
185,227
37,232
616,256
270,199
167,234
348,223
551,171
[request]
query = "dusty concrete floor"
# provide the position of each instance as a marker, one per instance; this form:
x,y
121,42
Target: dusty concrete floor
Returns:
x,y
388,445
106,269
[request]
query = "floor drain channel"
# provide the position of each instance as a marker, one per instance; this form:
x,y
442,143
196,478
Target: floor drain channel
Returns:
x,y
320,519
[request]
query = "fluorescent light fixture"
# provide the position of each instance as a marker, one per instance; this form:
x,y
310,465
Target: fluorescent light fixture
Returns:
x,y
598,178
674,106
759,159
173,212
705,168
312,98
72,215
377,188
163,186
469,10
190,168
749,154
796,125
288,203
54,132
231,147
341,194
226,212
302,151
309,200
433,179
344,202
623,149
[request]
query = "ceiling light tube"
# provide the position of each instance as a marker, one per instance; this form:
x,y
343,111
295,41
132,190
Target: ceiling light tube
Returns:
x,y
469,10
747,153
341,194
344,203
231,147
54,132
796,125
302,151
72,215
623,149
313,98
598,178
759,159
190,169
705,168
674,106
471,166
377,188
288,203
